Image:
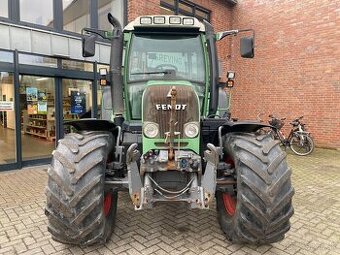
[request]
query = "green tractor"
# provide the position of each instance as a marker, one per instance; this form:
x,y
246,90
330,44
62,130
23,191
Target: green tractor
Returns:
x,y
164,138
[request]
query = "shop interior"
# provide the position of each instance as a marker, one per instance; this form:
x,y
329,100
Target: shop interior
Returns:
x,y
37,113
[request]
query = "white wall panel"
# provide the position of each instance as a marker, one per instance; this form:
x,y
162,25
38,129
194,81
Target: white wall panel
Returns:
x,y
104,54
20,39
60,46
13,37
41,43
5,38
75,49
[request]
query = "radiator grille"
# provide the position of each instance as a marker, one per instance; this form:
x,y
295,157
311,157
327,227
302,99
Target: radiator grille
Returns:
x,y
156,103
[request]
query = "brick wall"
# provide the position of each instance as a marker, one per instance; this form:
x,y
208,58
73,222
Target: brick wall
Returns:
x,y
296,66
296,69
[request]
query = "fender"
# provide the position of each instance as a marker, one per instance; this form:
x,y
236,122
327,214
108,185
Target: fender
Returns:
x,y
243,126
91,124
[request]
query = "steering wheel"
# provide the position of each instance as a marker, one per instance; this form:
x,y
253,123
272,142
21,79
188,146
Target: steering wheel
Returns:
x,y
163,67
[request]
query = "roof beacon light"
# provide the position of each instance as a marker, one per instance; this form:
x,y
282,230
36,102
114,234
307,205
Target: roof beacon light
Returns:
x,y
175,20
188,21
145,20
159,20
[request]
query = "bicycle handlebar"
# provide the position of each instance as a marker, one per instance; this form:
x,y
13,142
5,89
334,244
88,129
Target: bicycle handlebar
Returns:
x,y
273,117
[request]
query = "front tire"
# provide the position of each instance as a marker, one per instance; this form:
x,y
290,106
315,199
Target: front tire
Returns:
x,y
259,209
79,209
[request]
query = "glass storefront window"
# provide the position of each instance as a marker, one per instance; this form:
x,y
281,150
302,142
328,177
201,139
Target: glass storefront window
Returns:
x,y
37,60
4,8
100,90
185,9
115,7
77,100
37,11
165,11
201,14
77,65
37,112
76,15
6,56
7,119
99,100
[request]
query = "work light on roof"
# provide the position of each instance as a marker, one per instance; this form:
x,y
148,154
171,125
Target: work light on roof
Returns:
x,y
175,20
145,20
159,20
188,21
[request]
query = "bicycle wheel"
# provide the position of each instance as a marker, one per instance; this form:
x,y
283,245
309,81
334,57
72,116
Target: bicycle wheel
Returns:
x,y
301,145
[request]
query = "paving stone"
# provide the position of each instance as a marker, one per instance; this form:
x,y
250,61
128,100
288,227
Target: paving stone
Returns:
x,y
172,228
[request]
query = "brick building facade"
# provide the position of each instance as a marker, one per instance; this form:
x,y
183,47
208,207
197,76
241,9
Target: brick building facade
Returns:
x,y
296,67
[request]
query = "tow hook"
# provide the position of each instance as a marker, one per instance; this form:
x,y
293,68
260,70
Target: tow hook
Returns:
x,y
134,179
209,177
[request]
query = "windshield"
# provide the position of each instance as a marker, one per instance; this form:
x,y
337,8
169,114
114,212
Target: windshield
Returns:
x,y
164,57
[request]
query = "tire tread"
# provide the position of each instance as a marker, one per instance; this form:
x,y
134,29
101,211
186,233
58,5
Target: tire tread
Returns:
x,y
264,191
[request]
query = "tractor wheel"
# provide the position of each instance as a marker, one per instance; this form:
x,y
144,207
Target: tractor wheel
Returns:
x,y
259,208
79,209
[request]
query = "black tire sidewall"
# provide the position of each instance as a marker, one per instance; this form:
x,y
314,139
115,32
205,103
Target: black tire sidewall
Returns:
x,y
227,222
110,219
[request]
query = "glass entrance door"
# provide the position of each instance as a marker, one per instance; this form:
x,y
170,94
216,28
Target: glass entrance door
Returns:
x,y
77,100
7,119
37,115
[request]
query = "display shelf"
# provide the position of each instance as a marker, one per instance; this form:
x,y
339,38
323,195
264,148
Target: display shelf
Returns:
x,y
43,127
36,134
46,130
36,118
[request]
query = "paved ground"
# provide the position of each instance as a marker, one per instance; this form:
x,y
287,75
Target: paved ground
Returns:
x,y
171,229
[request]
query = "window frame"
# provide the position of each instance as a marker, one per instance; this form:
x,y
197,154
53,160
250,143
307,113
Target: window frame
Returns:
x,y
58,16
178,11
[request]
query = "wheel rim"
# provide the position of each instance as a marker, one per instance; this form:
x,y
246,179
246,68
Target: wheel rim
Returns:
x,y
107,203
229,204
229,160
229,201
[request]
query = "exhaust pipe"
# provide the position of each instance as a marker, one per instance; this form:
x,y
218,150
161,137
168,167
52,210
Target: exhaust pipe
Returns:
x,y
116,70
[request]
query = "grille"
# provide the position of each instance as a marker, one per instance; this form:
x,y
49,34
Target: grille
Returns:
x,y
156,102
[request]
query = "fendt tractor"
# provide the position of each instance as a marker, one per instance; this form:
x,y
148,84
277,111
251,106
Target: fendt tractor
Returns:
x,y
163,137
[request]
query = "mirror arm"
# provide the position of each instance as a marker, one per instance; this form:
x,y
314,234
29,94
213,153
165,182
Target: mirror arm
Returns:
x,y
102,33
221,35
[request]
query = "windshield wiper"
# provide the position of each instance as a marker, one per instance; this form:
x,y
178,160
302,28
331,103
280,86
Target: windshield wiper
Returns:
x,y
156,72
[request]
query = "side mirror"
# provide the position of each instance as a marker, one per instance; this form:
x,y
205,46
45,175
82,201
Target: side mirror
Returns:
x,y
89,45
247,47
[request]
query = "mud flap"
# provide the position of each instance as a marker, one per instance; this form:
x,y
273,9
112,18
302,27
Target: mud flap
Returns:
x,y
134,179
209,178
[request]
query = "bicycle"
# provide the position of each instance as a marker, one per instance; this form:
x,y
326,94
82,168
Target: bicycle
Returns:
x,y
298,140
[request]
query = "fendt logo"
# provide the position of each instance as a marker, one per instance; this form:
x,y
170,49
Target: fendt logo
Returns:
x,y
167,107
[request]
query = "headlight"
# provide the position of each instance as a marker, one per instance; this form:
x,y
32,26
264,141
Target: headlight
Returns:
x,y
151,129
191,129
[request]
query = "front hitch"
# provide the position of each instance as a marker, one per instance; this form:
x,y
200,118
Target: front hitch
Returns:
x,y
209,178
142,193
134,179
